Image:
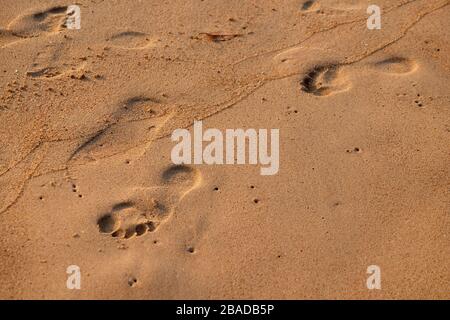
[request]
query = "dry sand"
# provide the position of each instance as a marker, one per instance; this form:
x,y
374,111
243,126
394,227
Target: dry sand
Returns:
x,y
86,117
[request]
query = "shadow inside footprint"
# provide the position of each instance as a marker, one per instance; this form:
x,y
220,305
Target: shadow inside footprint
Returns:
x,y
307,5
218,37
107,224
396,65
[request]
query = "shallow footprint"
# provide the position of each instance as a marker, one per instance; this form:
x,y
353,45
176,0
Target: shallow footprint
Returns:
x,y
36,23
53,61
131,40
396,65
324,80
134,123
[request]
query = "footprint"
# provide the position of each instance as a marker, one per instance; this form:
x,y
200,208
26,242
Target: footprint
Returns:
x,y
135,122
53,61
148,208
52,71
396,65
327,79
36,23
131,40
324,80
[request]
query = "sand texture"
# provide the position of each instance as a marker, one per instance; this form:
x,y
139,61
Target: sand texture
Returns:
x,y
86,176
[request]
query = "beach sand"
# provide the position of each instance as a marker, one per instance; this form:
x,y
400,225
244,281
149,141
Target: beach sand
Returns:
x,y
86,176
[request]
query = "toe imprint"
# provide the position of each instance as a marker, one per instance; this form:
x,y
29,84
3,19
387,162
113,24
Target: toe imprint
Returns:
x,y
126,221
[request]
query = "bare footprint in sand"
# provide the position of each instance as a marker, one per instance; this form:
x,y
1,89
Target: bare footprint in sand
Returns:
x,y
395,65
135,122
131,40
148,208
53,61
36,23
324,80
327,79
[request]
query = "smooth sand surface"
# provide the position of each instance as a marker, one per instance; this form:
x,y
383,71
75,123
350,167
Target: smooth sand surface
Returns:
x,y
86,118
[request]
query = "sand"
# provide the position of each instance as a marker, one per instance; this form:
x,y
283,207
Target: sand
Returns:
x,y
86,176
